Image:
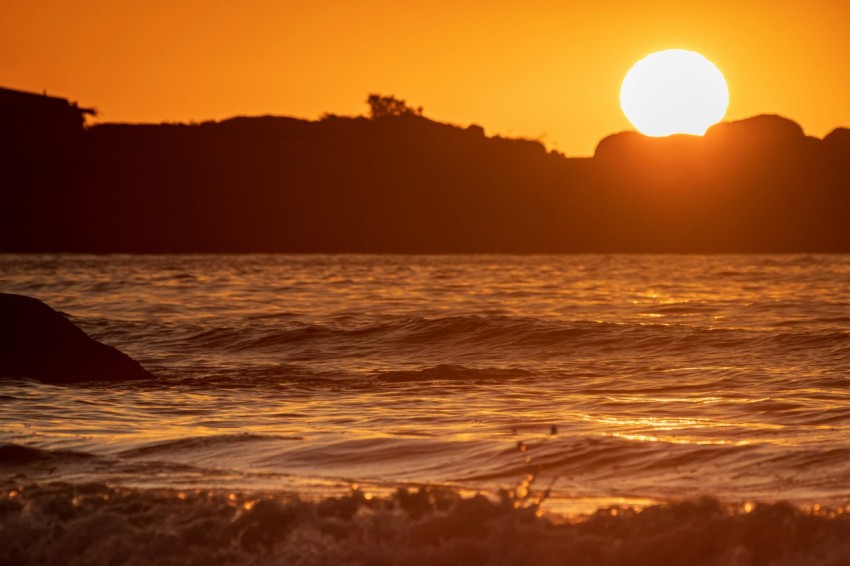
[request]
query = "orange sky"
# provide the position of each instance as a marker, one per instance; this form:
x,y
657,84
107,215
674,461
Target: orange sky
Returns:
x,y
548,69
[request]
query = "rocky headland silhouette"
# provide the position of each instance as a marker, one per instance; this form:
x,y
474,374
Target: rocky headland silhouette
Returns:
x,y
399,182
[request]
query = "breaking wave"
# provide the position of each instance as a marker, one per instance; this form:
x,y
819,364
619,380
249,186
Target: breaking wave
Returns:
x,y
97,524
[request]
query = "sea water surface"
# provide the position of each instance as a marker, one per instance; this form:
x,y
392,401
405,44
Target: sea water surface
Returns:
x,y
570,383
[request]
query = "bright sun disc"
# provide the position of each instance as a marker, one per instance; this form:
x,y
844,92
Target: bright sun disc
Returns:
x,y
674,92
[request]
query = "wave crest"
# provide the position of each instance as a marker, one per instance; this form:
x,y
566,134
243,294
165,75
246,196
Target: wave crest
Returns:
x,y
103,525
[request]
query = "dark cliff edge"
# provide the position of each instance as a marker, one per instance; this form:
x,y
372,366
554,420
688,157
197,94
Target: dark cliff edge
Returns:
x,y
407,184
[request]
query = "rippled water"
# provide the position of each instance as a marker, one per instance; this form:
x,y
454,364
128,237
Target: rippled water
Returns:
x,y
606,379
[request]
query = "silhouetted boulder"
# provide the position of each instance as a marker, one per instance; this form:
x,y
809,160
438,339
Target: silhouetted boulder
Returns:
x,y
38,342
741,137
763,127
648,151
838,138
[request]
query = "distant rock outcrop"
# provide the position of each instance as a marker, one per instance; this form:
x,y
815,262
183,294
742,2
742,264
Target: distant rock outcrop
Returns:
x,y
38,342
838,138
402,183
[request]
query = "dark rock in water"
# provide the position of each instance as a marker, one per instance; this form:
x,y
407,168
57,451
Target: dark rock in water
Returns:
x,y
38,342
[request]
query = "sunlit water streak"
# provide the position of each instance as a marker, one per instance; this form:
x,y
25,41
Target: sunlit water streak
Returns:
x,y
609,378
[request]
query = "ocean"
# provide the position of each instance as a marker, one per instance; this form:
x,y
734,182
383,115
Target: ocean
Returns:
x,y
357,409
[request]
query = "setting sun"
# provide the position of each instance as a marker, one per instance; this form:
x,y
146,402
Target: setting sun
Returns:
x,y
674,92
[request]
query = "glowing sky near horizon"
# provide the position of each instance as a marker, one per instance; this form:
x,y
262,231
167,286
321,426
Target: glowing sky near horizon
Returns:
x,y
542,69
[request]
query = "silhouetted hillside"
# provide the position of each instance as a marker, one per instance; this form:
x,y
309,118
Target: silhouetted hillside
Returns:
x,y
753,185
404,183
